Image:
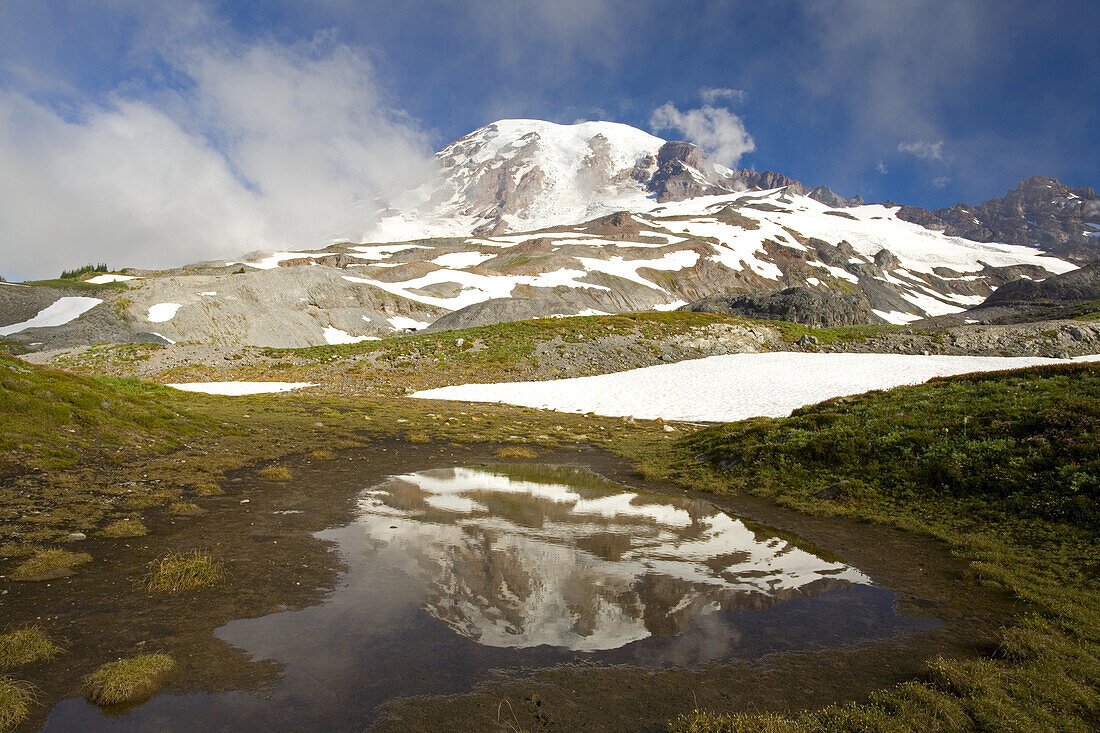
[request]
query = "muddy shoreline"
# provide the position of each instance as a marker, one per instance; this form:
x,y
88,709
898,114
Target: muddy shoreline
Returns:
x,y
275,563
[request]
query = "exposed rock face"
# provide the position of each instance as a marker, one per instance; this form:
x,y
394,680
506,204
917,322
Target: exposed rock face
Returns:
x,y
1079,286
1039,212
814,307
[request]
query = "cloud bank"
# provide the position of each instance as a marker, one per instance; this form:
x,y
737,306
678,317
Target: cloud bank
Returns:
x,y
264,146
718,131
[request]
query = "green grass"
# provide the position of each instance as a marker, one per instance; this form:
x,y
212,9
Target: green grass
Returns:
x,y
75,284
125,527
1019,444
16,699
1003,468
48,418
26,645
182,571
49,564
276,473
1087,311
128,680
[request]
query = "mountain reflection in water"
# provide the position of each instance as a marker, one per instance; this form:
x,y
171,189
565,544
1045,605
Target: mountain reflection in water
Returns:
x,y
526,556
453,575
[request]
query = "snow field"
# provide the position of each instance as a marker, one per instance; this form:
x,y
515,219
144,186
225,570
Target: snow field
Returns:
x,y
110,278
162,312
235,389
731,387
58,313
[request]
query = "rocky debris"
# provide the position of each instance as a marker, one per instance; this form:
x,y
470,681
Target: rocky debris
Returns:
x,y
807,341
1041,212
811,306
338,259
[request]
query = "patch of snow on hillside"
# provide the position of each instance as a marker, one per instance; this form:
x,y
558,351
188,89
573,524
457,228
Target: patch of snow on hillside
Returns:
x,y
58,313
476,287
162,312
382,251
272,261
731,387
235,389
896,317
460,260
628,269
737,247
336,336
110,278
403,322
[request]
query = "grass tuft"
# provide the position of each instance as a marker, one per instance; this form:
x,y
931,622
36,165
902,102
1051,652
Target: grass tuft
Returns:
x,y
128,680
16,699
322,454
276,473
24,646
50,565
125,527
417,436
516,451
182,571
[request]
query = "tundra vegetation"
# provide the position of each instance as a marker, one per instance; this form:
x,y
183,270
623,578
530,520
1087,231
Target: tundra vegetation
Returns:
x,y
1003,468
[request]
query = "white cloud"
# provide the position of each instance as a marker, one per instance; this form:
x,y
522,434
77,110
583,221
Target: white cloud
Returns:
x,y
710,95
923,149
881,167
718,131
941,181
270,146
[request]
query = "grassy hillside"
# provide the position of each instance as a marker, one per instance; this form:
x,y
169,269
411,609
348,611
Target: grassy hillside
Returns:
x,y
50,419
1004,468
1021,444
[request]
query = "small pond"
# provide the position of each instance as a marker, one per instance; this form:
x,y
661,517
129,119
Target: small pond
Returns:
x,y
457,575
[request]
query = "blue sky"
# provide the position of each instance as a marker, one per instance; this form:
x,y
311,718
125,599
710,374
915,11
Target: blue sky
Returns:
x,y
224,123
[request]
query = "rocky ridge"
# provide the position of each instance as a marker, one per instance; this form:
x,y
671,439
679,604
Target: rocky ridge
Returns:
x,y
1040,212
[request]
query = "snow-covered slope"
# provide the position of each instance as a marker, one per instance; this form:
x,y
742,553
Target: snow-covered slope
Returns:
x,y
517,175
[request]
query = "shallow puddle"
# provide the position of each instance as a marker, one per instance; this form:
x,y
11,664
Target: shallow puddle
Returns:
x,y
458,575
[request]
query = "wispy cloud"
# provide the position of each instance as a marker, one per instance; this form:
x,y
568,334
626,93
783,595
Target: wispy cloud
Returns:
x,y
941,181
881,167
923,149
266,145
712,95
718,131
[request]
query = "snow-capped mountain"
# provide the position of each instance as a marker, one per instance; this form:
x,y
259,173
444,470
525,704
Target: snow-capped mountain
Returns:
x,y
520,175
529,219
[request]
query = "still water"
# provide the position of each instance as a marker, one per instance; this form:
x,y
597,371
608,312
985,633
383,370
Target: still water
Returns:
x,y
456,574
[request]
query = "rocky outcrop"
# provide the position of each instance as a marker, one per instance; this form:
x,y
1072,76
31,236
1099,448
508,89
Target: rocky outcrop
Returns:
x,y
1041,212
1079,286
811,306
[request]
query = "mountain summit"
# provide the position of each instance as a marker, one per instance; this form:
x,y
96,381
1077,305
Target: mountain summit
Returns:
x,y
523,175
